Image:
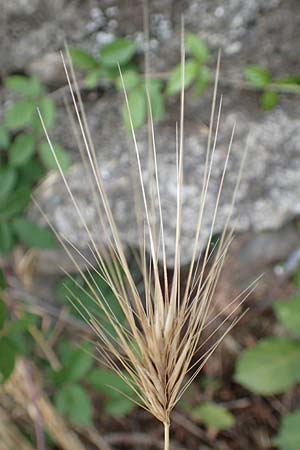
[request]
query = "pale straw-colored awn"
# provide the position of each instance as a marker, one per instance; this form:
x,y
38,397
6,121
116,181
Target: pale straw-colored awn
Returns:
x,y
158,350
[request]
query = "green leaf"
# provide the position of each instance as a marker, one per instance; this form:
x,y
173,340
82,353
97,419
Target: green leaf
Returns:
x,y
288,313
288,437
202,81
14,203
93,78
83,60
4,138
271,367
20,114
257,76
109,383
48,158
157,99
76,364
6,238
137,107
290,84
269,100
131,79
22,342
73,402
115,389
8,178
19,336
79,363
101,76
210,383
174,83
32,171
33,235
213,416
21,150
291,80
28,87
24,322
196,47
120,407
48,113
117,52
66,285
7,359
2,280
2,314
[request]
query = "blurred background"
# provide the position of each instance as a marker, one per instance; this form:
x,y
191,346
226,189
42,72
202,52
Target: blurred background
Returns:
x,y
53,393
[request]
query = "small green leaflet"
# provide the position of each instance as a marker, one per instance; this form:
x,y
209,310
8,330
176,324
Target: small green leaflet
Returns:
x,y
47,109
14,203
288,437
20,114
120,51
33,235
203,79
213,416
2,313
21,150
269,100
82,59
115,389
131,79
257,76
7,359
175,81
48,159
76,364
270,367
157,99
73,402
288,314
2,280
196,47
8,178
4,138
6,238
137,107
25,86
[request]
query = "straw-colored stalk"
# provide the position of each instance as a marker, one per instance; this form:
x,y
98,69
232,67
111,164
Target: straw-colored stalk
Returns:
x,y
154,349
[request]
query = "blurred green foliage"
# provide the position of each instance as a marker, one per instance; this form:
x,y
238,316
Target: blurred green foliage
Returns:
x,y
288,437
103,70
25,156
261,78
273,365
75,383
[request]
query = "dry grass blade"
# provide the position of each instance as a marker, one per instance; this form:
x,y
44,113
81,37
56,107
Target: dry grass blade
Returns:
x,y
17,389
10,436
154,349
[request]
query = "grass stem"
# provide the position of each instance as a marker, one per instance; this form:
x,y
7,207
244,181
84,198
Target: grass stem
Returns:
x,y
167,436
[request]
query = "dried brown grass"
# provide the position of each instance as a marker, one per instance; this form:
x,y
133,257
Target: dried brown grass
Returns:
x,y
153,351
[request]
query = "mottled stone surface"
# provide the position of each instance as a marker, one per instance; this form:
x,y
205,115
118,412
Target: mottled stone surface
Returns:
x,y
256,31
268,196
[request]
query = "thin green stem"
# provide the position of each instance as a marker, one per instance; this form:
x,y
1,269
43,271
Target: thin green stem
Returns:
x,y
167,435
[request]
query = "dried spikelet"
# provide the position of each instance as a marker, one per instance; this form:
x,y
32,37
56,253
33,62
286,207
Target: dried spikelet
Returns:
x,y
154,349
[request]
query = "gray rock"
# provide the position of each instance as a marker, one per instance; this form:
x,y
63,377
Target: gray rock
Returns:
x,y
49,69
31,28
257,31
268,196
